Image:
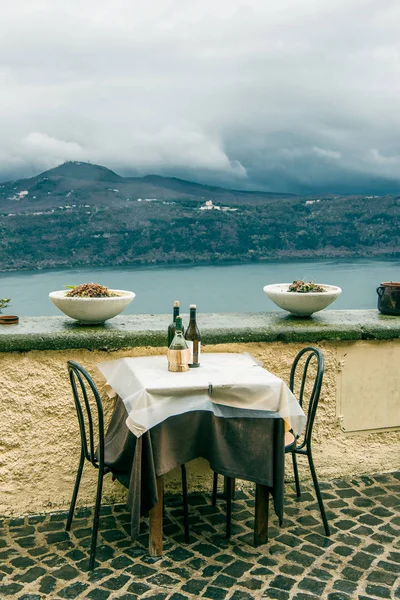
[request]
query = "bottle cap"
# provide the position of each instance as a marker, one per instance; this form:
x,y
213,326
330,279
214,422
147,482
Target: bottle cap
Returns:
x,y
192,306
176,303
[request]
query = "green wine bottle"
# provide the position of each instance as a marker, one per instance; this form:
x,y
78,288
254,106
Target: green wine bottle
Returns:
x,y
193,339
171,326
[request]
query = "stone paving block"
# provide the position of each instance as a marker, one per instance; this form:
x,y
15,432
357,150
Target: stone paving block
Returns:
x,y
115,583
345,586
99,574
237,568
352,574
21,562
314,550
282,582
362,560
10,589
276,594
252,584
75,590
378,591
47,584
291,569
312,585
27,542
240,595
30,575
384,577
343,550
138,588
388,566
97,594
67,572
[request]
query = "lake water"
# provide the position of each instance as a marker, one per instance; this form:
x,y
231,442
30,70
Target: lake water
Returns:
x,y
228,288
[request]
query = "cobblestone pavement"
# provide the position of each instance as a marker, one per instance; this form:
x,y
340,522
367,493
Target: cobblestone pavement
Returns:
x,y
40,560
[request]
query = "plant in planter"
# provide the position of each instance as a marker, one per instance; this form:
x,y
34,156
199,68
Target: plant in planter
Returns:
x,y
7,319
302,298
91,303
89,290
4,302
302,287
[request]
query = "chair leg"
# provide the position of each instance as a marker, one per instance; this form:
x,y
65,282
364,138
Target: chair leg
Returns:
x,y
233,487
296,475
96,519
215,488
317,491
228,481
185,504
75,492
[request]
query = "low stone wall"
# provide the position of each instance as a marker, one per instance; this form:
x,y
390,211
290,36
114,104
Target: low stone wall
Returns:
x,y
39,435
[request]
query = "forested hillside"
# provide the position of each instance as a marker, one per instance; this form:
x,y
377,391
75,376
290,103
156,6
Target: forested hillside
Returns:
x,y
84,215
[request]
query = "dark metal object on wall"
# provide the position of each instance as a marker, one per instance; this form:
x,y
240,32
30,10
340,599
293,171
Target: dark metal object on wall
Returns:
x,y
389,298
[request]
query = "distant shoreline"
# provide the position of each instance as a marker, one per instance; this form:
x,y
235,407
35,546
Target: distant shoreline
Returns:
x,y
388,256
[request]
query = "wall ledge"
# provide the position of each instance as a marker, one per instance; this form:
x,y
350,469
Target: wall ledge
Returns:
x,y
61,333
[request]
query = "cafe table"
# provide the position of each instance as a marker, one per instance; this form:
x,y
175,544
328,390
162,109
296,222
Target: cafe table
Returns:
x,y
230,411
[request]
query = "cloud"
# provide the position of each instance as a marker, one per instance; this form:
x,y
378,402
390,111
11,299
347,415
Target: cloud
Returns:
x,y
328,154
377,158
50,149
287,96
164,151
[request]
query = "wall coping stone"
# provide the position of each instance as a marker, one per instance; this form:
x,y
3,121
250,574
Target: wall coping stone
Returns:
x,y
61,333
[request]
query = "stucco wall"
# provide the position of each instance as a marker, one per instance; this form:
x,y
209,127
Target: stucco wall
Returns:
x,y
39,435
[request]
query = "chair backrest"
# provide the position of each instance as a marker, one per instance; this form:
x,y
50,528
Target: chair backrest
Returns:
x,y
86,395
308,399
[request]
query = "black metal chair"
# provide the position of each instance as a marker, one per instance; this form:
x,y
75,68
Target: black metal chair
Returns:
x,y
85,392
309,405
291,441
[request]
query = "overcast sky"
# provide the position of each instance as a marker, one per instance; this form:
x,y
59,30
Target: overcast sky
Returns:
x,y
290,95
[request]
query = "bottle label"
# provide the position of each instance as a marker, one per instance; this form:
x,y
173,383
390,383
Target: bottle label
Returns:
x,y
178,360
195,350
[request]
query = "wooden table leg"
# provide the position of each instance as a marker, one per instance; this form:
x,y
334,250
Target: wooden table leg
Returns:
x,y
261,515
156,522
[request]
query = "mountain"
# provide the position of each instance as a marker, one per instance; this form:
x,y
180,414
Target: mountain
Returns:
x,y
92,184
79,214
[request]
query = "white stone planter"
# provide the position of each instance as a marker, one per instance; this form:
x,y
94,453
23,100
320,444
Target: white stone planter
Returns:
x,y
92,311
299,304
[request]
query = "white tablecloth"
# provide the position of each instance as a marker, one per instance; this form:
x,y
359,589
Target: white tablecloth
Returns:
x,y
230,385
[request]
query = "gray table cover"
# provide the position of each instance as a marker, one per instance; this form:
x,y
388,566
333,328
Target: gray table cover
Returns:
x,y
245,448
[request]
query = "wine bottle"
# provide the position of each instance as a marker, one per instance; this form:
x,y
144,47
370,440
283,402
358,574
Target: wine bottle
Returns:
x,y
178,352
193,339
171,326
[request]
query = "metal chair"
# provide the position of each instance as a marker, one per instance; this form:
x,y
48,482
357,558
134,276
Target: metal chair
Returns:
x,y
309,405
291,441
84,391
81,380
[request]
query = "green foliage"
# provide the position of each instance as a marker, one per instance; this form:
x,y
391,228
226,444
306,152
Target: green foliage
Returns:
x,y
4,302
146,233
304,287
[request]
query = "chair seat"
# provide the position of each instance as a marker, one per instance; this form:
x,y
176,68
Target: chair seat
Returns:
x,y
290,440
